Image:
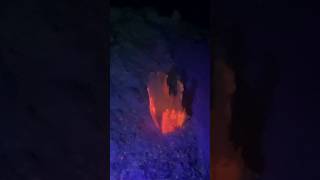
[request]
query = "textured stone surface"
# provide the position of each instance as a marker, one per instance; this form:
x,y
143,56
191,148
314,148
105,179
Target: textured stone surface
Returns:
x,y
145,43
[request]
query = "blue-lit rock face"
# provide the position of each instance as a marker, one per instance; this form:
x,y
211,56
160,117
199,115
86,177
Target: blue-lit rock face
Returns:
x,y
143,42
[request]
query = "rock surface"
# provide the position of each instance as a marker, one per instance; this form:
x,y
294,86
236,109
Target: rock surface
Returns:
x,y
143,43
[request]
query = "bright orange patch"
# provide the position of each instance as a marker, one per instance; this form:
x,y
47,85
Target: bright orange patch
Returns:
x,y
166,111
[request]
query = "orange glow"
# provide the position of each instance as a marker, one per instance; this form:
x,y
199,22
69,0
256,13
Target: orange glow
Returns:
x,y
228,169
152,110
226,160
166,111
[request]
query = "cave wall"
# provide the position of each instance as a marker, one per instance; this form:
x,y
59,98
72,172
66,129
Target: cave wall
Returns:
x,y
144,42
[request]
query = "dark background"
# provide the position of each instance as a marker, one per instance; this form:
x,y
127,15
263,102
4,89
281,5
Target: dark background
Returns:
x,y
53,89
272,46
197,13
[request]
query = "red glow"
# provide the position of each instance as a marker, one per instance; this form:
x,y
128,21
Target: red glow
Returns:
x,y
166,111
227,169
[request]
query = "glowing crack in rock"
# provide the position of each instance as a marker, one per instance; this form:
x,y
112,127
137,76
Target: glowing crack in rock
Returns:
x,y
166,111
